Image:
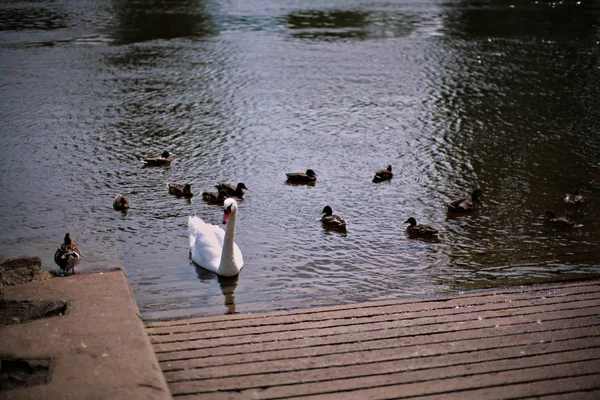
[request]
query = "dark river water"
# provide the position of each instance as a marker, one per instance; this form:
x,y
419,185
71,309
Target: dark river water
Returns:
x,y
501,95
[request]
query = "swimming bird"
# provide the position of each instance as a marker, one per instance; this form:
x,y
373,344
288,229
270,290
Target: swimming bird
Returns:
x,y
231,190
302,177
559,221
213,248
68,255
164,160
180,190
215,198
574,198
121,203
467,205
383,175
419,230
331,221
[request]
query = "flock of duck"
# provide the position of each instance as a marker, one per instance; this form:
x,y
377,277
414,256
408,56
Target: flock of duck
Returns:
x,y
214,249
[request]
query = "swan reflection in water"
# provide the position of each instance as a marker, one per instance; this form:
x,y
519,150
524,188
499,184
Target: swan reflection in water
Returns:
x,y
228,285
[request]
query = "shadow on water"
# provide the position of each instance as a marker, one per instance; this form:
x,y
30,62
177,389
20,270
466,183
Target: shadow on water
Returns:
x,y
227,284
33,17
160,19
328,25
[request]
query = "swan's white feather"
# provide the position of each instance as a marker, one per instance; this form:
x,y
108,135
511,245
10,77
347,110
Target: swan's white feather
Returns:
x,y
206,245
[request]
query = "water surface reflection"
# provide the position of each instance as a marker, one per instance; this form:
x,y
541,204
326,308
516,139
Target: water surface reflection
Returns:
x,y
454,95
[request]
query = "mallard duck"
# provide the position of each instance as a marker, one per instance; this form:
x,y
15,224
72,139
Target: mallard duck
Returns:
x,y
164,160
217,198
302,177
331,221
180,190
121,203
419,230
383,175
559,221
574,198
68,255
231,190
467,205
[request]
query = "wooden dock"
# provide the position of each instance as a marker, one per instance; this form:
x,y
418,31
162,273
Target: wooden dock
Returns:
x,y
539,341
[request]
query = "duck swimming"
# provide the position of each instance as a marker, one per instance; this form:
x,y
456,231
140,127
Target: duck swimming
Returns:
x,y
180,190
383,175
558,221
302,177
331,221
213,248
419,230
232,190
68,255
162,161
574,198
217,198
468,204
121,203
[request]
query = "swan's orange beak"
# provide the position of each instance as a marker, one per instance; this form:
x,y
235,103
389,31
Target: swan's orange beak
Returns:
x,y
226,215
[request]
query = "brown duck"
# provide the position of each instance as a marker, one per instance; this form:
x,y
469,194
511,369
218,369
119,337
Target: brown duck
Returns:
x,y
468,204
302,177
217,198
162,161
68,255
574,198
121,203
232,190
558,221
383,175
419,230
331,221
181,190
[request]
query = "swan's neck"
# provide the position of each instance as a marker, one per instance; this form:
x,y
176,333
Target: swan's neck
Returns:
x,y
228,265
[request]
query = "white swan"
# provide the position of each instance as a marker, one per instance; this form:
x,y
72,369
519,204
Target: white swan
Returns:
x,y
213,248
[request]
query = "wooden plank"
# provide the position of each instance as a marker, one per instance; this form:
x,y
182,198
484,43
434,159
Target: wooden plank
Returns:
x,y
374,308
541,341
358,357
533,333
396,327
547,290
428,365
358,316
375,323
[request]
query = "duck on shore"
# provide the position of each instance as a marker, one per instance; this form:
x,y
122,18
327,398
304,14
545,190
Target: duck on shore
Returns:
x,y
68,255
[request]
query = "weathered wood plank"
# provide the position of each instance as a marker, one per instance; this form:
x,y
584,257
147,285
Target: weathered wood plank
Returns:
x,y
539,341
368,309
548,290
445,364
492,339
398,327
305,321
